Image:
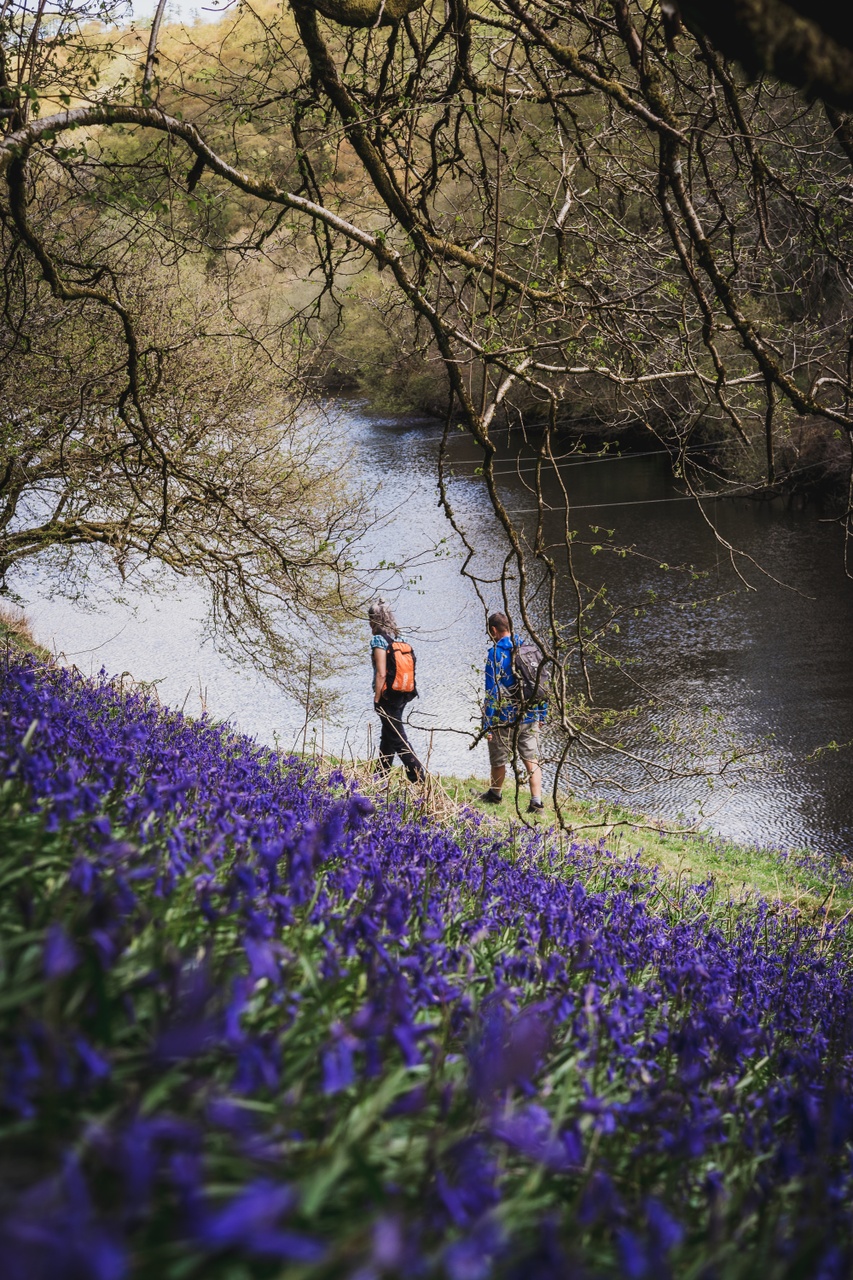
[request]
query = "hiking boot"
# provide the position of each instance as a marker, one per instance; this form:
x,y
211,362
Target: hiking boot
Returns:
x,y
490,797
536,806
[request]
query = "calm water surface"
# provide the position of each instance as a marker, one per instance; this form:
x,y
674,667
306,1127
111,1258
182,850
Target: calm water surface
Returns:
x,y
770,664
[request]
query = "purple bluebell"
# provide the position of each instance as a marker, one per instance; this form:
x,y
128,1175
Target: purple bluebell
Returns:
x,y
60,956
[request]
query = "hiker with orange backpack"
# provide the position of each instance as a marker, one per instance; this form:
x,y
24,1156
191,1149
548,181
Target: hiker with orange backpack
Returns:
x,y
393,688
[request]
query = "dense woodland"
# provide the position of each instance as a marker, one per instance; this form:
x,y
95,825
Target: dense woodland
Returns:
x,y
578,220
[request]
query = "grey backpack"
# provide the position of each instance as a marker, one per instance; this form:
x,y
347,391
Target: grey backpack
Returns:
x,y
532,671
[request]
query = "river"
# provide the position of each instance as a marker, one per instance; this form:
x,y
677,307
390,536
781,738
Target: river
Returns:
x,y
769,663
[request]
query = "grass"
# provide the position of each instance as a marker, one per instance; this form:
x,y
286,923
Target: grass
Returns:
x,y
16,633
802,880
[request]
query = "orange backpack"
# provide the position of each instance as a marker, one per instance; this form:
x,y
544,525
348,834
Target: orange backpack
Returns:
x,y
400,668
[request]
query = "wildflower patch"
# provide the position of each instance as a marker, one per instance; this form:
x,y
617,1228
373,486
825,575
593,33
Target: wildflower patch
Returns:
x,y
253,1025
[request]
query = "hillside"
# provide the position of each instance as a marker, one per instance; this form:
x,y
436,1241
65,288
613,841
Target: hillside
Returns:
x,y
256,1024
774,174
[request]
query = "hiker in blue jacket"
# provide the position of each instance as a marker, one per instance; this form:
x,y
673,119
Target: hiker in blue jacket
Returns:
x,y
505,733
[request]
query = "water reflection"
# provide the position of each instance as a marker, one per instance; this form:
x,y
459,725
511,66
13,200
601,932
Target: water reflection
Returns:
x,y
771,661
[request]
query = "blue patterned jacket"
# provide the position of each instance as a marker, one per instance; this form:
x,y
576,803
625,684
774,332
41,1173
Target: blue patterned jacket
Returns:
x,y
501,682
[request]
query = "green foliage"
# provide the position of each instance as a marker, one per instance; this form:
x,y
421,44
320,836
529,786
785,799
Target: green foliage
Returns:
x,y
377,352
223,976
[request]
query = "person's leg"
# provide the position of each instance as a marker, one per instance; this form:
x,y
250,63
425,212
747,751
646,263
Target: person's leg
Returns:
x,y
534,777
498,748
387,740
398,742
528,749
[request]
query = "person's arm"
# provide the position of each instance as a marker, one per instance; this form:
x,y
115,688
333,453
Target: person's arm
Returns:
x,y
489,706
380,668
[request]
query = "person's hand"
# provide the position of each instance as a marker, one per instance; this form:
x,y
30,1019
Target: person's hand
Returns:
x,y
488,737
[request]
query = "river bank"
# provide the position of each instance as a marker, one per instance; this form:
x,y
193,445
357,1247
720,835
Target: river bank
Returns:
x,y
766,662
811,465
802,880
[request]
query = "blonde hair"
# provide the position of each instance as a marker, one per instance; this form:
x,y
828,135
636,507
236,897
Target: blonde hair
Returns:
x,y
381,615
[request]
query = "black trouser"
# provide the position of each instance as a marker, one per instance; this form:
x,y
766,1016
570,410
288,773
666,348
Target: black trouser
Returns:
x,y
393,738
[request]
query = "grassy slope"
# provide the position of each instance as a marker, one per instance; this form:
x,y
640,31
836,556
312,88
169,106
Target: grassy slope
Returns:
x,y
803,880
15,633
675,1056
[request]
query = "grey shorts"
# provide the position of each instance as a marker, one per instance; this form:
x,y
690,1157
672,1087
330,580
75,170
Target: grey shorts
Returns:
x,y
504,737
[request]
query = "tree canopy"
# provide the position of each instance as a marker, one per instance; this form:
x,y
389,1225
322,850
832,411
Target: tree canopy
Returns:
x,y
807,43
150,413
585,215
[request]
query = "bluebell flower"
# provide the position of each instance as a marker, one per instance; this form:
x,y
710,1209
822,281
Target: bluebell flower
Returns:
x,y
473,1257
665,1233
263,959
633,1260
60,955
469,1186
530,1131
338,1066
358,809
249,1222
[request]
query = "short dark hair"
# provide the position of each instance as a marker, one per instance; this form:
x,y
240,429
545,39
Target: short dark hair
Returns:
x,y
498,622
